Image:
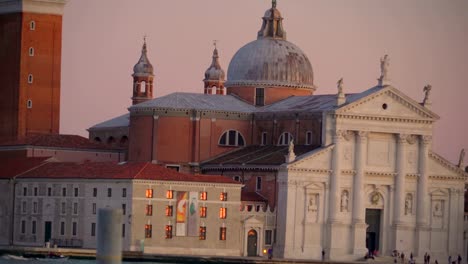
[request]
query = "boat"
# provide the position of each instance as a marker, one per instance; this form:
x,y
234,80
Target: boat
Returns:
x,y
14,257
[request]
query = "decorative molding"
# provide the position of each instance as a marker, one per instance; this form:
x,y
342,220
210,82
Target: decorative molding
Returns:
x,y
447,164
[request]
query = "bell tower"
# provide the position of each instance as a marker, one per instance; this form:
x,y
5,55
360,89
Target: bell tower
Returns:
x,y
215,76
143,77
30,55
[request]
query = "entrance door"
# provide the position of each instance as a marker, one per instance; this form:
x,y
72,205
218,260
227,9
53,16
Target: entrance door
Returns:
x,y
373,231
252,243
47,231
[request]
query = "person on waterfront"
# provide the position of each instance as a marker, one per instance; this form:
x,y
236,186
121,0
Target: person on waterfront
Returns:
x,y
459,259
425,258
436,262
270,253
402,257
323,255
449,259
428,258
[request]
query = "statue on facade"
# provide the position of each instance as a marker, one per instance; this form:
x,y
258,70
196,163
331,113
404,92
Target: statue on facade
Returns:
x,y
312,203
437,209
408,204
344,201
462,157
427,92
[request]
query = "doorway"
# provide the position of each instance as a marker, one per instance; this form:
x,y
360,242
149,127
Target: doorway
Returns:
x,y
47,231
373,217
252,243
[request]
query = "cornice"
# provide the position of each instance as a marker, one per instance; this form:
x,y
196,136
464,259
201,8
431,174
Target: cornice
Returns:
x,y
447,164
383,118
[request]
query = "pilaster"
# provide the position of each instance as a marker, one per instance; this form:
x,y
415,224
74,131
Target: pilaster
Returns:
x,y
422,229
399,189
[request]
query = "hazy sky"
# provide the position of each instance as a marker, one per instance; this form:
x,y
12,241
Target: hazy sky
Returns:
x,y
427,41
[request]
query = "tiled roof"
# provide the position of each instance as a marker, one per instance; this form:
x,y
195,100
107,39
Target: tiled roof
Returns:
x,y
120,121
11,167
56,141
113,170
196,101
252,197
256,155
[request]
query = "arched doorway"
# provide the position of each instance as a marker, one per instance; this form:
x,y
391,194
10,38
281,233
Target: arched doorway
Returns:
x,y
252,243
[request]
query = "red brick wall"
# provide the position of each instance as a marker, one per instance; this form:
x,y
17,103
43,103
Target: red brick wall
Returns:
x,y
140,138
272,94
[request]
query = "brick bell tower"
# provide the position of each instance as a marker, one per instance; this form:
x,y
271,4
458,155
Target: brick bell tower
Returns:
x,y
143,77
30,65
214,76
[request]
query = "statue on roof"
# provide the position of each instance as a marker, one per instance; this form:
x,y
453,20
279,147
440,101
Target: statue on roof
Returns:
x,y
273,3
291,146
427,91
462,157
384,64
339,85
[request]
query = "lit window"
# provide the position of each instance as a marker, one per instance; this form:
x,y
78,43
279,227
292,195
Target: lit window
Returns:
x,y
259,96
259,183
284,139
32,25
223,196
202,234
222,233
149,209
169,194
308,138
222,212
169,210
29,104
31,51
93,229
149,193
148,231
30,78
203,196
168,231
203,210
264,138
232,138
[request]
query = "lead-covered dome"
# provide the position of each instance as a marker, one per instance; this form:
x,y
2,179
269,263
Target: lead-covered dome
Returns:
x,y
271,60
143,66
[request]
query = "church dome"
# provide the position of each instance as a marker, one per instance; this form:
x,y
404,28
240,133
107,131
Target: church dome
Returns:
x,y
271,60
143,66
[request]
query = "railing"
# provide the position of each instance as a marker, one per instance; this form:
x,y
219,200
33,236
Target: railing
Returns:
x,y
67,242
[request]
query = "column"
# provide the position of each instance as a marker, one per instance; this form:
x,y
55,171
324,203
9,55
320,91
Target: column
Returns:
x,y
359,226
422,231
399,191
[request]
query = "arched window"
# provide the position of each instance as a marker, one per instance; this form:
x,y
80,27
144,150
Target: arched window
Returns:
x,y
111,140
124,140
308,140
32,25
143,87
30,78
29,104
284,139
232,138
213,89
97,139
264,139
31,51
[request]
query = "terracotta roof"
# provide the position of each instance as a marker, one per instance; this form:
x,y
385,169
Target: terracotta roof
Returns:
x,y
256,155
12,167
56,141
252,197
113,170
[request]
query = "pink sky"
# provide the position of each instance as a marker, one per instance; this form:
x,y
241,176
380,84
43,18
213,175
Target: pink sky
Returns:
x,y
427,42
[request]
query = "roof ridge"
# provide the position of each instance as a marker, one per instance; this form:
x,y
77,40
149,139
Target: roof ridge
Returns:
x,y
139,172
47,161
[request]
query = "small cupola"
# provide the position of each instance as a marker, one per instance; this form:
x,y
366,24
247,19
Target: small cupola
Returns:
x,y
215,76
143,77
272,26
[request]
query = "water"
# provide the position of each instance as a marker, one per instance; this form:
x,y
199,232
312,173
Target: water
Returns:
x,y
68,261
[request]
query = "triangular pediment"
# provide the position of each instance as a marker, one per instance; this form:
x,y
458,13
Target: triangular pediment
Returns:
x,y
387,102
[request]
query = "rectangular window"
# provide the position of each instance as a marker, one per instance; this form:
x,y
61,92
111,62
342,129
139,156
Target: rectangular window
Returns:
x,y
63,208
75,208
33,227
64,192
258,186
109,192
149,209
259,96
148,231
149,193
123,230
222,213
93,229
49,191
124,209
223,196
203,196
74,228
35,207
168,231
222,233
94,208
25,191
169,194
202,232
35,191
23,207
23,226
124,192
76,192
94,192
62,228
169,210
268,234
203,210
308,138
264,139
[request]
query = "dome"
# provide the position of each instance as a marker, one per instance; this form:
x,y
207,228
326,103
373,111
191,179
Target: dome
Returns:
x,y
271,60
214,72
143,66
